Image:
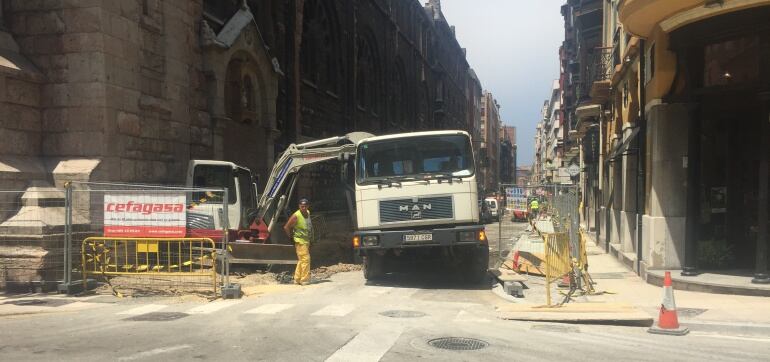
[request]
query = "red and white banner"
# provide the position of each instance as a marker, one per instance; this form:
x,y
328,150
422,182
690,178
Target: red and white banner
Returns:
x,y
145,215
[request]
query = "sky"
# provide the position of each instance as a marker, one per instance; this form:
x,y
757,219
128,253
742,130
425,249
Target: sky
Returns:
x,y
513,46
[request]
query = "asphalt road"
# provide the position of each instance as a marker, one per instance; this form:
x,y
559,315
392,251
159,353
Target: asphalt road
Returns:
x,y
343,318
501,236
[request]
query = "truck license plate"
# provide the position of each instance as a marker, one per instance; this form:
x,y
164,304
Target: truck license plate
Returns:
x,y
418,237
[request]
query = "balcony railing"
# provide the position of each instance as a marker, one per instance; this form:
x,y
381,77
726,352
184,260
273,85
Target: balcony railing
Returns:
x,y
602,63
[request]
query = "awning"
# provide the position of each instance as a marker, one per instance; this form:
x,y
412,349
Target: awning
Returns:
x,y
622,146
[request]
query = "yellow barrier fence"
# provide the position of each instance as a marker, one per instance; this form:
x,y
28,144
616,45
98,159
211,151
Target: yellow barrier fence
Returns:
x,y
558,260
162,265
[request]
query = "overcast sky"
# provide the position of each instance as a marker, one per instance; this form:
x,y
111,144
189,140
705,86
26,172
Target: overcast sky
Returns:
x,y
513,47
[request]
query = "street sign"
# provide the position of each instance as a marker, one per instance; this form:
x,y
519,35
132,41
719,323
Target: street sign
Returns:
x,y
573,170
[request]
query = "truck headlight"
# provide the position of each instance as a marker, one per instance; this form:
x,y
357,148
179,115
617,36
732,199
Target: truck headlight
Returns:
x,y
371,240
467,236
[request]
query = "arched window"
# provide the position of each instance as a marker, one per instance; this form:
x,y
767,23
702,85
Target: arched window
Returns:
x,y
241,91
367,75
320,54
233,89
399,97
423,108
247,95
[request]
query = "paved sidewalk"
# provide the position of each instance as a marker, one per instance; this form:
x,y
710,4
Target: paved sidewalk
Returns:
x,y
629,296
693,307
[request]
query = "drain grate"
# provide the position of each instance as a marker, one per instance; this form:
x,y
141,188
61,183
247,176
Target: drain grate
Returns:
x,y
556,328
689,312
458,343
157,317
402,314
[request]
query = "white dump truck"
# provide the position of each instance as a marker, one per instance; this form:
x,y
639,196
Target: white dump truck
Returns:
x,y
415,196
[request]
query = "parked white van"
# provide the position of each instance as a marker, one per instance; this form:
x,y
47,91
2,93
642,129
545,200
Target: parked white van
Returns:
x,y
493,208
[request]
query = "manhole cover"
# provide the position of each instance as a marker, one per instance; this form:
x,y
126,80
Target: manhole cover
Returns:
x,y
458,343
607,275
402,314
157,317
28,302
690,312
556,328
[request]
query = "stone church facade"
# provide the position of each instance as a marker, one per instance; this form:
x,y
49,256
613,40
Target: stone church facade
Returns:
x,y
130,90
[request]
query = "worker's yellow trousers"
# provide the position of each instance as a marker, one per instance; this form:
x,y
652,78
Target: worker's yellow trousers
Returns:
x,y
302,272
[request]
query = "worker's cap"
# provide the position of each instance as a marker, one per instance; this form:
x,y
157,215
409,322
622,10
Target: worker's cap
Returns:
x,y
304,201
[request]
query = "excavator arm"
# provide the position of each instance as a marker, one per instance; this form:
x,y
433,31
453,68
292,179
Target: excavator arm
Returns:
x,y
283,177
279,188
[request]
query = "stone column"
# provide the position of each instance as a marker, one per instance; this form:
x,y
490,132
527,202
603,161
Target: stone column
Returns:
x,y
693,198
760,268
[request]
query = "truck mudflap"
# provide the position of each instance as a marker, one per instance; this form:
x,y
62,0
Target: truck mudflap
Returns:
x,y
449,236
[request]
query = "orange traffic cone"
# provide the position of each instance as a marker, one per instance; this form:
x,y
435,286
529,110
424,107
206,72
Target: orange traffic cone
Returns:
x,y
668,323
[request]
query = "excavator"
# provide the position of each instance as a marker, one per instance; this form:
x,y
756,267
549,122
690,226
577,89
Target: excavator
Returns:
x,y
248,217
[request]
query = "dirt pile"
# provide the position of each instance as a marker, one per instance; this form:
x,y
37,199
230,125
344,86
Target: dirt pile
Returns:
x,y
286,275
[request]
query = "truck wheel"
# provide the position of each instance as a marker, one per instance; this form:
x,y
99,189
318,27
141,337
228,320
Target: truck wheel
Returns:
x,y
373,267
479,264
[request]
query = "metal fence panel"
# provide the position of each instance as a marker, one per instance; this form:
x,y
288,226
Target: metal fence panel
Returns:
x,y
151,265
558,261
125,211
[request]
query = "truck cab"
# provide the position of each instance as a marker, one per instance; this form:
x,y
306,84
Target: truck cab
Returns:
x,y
242,191
416,194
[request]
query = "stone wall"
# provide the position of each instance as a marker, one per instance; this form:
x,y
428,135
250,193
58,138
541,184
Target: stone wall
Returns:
x,y
122,83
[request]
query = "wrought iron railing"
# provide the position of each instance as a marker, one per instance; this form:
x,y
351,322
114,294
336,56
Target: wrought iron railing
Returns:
x,y
602,64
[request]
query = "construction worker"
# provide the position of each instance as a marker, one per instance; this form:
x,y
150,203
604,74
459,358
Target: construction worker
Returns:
x,y
299,228
534,208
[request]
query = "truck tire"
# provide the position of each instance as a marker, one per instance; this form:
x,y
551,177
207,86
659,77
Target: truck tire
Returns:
x,y
373,266
479,264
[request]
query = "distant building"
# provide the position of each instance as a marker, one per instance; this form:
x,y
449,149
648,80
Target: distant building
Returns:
x,y
490,147
508,155
524,175
549,141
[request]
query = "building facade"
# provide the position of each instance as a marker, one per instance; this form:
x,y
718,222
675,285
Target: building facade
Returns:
x,y
508,155
131,90
550,140
490,146
678,109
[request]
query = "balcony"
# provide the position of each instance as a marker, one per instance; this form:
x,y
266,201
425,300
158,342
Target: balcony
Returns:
x,y
601,67
640,17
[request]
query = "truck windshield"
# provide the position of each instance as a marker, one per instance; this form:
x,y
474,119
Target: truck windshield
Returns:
x,y
422,157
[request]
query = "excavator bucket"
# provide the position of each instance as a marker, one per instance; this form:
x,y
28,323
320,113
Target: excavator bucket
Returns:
x,y
256,253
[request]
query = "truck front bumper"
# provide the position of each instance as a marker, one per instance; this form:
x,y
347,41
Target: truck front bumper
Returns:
x,y
405,238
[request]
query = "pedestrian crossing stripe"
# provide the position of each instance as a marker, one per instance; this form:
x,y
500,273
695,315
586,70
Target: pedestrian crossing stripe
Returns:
x,y
213,306
339,310
269,309
149,308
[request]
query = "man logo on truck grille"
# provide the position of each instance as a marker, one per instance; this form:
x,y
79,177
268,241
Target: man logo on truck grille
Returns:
x,y
415,210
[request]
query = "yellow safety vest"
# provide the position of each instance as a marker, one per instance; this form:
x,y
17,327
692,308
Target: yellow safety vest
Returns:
x,y
302,228
534,205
